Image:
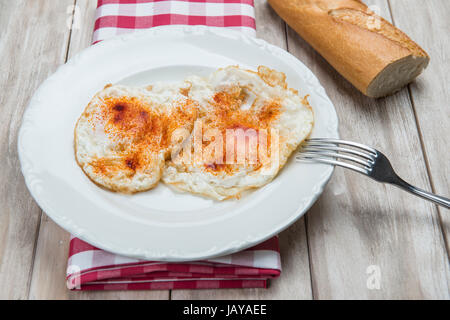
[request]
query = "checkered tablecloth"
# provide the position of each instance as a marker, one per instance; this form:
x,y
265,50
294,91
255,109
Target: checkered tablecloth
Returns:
x,y
90,268
116,17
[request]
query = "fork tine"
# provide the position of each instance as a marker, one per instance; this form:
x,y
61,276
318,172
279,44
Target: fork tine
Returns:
x,y
377,167
344,142
300,157
336,155
322,147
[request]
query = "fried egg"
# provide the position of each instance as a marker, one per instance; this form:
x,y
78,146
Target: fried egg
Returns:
x,y
123,137
216,136
248,125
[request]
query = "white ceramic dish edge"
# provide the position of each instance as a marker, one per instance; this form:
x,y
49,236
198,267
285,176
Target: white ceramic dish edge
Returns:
x,y
66,223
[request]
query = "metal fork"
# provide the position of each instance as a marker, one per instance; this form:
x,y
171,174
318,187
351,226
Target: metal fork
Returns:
x,y
362,159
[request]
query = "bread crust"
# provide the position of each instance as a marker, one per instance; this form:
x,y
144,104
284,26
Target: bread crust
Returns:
x,y
355,41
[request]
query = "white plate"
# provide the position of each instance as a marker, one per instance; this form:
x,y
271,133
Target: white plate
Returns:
x,y
161,224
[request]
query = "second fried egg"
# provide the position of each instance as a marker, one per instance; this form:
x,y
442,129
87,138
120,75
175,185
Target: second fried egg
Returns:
x,y
249,123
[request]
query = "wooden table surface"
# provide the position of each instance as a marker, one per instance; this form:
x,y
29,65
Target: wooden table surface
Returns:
x,y
361,240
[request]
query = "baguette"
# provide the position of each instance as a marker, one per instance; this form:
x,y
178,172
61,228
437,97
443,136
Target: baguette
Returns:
x,y
376,57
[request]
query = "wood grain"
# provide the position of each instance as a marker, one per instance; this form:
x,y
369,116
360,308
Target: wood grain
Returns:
x,y
429,93
30,49
48,281
359,223
295,281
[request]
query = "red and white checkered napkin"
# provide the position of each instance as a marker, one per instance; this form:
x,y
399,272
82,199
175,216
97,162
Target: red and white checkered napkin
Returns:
x,y
116,17
90,268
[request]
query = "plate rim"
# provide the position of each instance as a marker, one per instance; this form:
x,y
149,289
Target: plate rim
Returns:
x,y
75,230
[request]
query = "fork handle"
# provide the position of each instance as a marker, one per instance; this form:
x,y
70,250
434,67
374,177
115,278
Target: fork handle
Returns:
x,y
442,201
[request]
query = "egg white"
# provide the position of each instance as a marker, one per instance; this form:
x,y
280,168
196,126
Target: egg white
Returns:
x,y
191,103
93,143
294,124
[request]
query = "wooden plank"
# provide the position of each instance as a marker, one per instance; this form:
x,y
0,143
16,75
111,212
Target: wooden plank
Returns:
x,y
295,281
48,281
429,93
29,33
361,231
